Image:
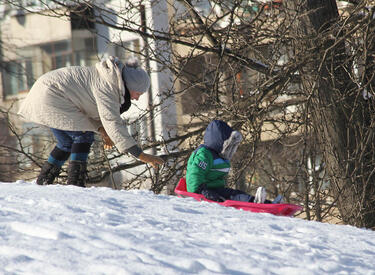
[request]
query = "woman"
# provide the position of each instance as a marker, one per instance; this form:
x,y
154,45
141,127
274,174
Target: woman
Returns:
x,y
75,102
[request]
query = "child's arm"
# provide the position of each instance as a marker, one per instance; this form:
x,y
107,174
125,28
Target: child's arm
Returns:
x,y
198,166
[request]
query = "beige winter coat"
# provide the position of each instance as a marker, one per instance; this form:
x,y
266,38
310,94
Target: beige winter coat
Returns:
x,y
81,99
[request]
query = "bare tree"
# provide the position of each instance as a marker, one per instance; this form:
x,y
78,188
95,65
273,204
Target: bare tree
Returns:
x,y
342,114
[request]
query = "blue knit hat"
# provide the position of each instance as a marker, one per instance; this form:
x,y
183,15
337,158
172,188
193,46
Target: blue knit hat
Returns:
x,y
135,78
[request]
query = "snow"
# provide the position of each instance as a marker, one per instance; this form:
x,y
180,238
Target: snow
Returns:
x,y
70,230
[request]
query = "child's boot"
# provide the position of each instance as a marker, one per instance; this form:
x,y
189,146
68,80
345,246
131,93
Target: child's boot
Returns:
x,y
260,195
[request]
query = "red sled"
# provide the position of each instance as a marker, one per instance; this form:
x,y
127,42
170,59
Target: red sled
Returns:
x,y
282,209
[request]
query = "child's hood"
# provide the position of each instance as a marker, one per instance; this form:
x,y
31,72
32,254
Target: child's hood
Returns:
x,y
221,138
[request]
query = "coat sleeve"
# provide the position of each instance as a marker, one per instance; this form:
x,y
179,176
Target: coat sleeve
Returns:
x,y
199,165
114,125
108,98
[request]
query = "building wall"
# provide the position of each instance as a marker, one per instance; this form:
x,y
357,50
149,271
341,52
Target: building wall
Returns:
x,y
31,29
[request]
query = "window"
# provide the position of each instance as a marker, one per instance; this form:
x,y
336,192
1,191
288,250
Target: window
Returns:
x,y
82,18
86,56
203,7
196,82
56,55
17,76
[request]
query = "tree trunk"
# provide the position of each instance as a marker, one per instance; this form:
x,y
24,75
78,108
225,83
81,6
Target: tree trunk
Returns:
x,y
341,117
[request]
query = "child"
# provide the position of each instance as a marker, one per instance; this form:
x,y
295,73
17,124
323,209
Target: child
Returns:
x,y
209,164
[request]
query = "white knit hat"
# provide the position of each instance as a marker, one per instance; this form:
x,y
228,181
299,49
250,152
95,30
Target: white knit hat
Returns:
x,y
135,78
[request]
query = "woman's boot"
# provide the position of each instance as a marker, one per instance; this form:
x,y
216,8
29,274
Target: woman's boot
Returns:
x,y
77,171
48,174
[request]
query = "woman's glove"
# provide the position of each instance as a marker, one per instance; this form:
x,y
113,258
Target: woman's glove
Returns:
x,y
210,194
154,161
108,143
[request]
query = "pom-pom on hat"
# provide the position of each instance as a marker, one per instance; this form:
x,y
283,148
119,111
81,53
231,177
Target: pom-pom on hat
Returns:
x,y
135,78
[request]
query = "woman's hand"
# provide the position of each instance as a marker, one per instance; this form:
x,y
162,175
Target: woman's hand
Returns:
x,y
108,143
154,161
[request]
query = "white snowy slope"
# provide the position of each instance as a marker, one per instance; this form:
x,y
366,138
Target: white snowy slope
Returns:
x,y
71,230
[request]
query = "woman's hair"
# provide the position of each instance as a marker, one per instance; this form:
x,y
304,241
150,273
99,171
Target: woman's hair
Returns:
x,y
127,102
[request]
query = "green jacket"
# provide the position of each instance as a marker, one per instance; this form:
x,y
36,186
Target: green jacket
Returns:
x,y
205,166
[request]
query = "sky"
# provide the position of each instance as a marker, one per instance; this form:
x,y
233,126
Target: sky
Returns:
x,y
60,229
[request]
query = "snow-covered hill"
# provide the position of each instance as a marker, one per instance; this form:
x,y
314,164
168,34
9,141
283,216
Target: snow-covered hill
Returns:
x,y
70,230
